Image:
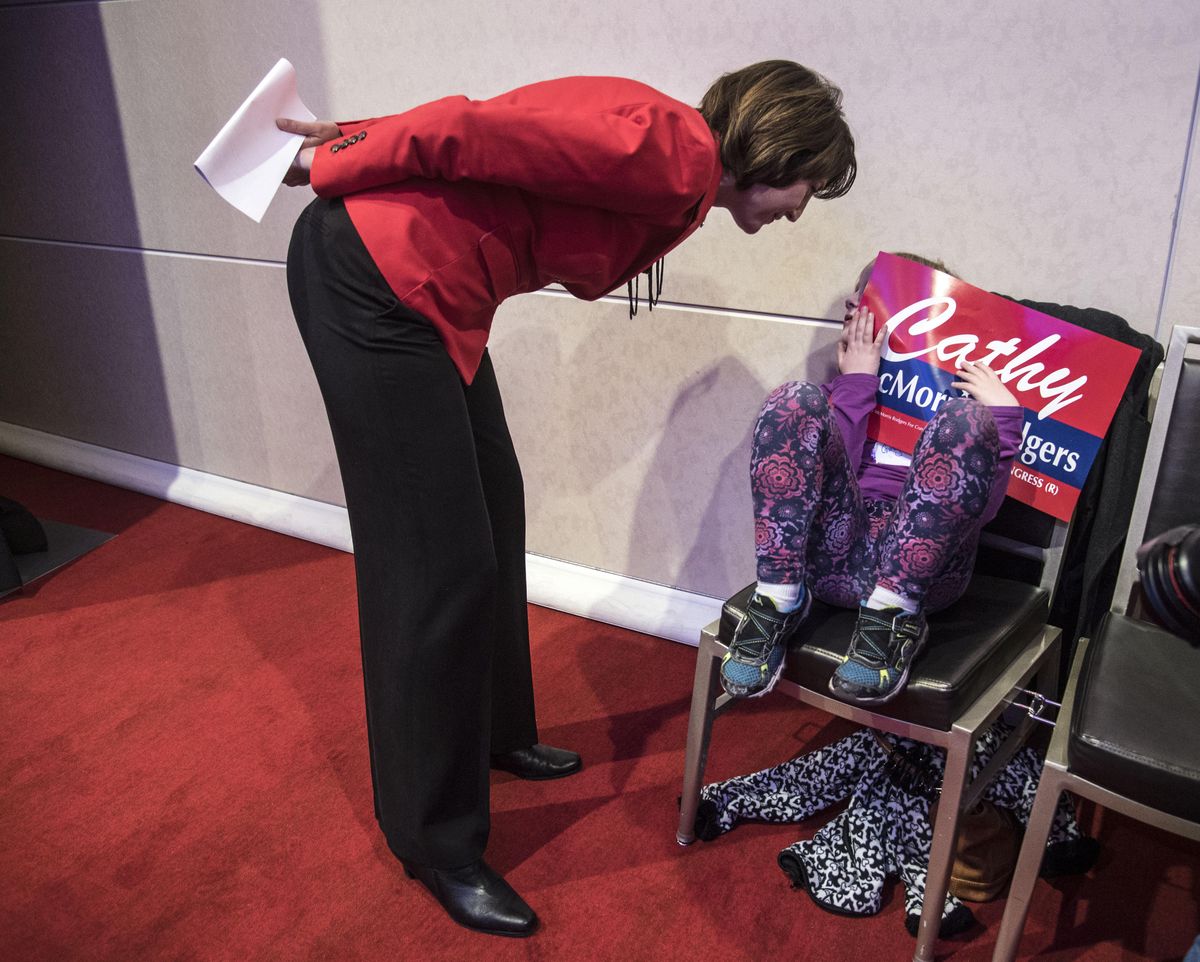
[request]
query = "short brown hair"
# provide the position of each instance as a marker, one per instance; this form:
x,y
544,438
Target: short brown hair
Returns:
x,y
779,123
937,265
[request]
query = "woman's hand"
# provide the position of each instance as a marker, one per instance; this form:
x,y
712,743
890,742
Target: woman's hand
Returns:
x,y
859,347
316,132
984,385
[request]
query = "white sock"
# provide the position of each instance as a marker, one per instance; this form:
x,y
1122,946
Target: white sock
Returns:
x,y
883,597
785,597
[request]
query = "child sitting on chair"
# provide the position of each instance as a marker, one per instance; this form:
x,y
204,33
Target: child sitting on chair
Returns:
x,y
860,525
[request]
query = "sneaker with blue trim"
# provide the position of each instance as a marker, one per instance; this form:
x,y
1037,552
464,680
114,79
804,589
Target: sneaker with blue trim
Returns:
x,y
756,652
882,650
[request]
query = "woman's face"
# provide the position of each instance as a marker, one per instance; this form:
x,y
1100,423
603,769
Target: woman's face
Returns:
x,y
758,205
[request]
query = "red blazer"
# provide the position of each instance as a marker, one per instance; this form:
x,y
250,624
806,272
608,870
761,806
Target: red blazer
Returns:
x,y
585,181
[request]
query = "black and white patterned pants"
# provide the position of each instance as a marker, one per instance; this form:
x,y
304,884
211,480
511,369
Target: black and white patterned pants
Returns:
x,y
885,829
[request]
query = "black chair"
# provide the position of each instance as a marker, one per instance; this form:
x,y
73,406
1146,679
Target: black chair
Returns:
x,y
983,653
1126,736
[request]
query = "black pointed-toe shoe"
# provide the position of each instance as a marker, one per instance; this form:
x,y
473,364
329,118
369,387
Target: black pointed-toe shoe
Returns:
x,y
539,762
476,897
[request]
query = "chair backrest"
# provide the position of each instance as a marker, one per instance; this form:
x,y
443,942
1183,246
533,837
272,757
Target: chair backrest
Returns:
x,y
1023,544
1167,490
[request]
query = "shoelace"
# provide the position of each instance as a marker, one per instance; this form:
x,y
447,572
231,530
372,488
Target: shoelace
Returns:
x,y
757,647
870,625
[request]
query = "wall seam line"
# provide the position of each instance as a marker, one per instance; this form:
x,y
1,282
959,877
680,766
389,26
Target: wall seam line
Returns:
x,y
769,316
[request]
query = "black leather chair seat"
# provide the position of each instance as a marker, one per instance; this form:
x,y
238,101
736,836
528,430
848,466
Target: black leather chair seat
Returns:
x,y
970,644
1135,728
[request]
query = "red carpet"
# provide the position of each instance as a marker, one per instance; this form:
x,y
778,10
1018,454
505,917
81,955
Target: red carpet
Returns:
x,y
185,777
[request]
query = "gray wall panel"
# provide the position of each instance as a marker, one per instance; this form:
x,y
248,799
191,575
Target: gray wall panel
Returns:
x,y
79,354
118,99
1038,149
1181,295
634,434
196,362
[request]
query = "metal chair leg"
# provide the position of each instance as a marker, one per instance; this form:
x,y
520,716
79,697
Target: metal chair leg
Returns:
x,y
700,719
1046,680
941,855
1029,863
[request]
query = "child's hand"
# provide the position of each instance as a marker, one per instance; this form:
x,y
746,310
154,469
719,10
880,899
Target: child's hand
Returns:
x,y
983,384
858,350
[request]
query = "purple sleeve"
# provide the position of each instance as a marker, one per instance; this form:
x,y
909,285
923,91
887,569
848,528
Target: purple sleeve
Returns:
x,y
852,397
1009,421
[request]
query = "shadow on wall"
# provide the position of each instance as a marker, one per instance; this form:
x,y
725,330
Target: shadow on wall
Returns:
x,y
78,350
713,555
636,437
100,341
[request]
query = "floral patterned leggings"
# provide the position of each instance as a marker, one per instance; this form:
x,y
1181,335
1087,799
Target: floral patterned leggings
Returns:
x,y
812,525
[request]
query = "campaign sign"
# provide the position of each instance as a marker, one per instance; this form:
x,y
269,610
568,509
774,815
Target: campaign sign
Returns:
x,y
1068,379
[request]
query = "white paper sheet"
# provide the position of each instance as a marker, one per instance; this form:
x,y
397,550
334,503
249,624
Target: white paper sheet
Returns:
x,y
246,161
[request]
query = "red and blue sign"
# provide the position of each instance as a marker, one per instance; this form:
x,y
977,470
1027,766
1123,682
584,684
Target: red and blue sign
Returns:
x,y
1068,379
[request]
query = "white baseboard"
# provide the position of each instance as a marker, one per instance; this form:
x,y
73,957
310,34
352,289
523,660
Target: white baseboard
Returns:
x,y
286,513
577,589
617,600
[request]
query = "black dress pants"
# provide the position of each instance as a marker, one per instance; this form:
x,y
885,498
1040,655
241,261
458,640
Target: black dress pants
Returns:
x,y
437,513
